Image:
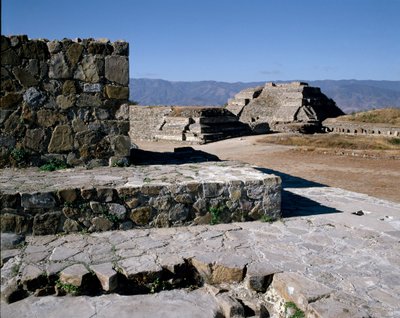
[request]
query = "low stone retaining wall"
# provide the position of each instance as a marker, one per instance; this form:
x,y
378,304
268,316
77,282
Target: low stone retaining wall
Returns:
x,y
144,196
354,128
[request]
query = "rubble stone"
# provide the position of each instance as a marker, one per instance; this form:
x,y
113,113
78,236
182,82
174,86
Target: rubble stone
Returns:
x,y
48,84
106,275
74,275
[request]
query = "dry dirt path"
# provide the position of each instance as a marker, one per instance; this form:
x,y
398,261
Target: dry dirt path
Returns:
x,y
378,177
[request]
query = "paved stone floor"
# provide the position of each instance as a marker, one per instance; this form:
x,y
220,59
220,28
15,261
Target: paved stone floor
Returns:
x,y
356,257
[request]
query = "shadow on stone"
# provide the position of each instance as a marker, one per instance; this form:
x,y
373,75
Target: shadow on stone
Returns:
x,y
297,205
180,155
289,181
184,276
294,204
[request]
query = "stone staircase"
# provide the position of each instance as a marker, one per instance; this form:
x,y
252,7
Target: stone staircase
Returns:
x,y
202,125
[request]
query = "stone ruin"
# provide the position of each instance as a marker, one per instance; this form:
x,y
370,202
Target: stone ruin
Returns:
x,y
283,107
338,126
184,124
294,107
62,99
65,99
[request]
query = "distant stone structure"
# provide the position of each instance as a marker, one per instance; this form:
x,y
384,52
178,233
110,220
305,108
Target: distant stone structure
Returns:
x,y
335,125
283,107
184,123
61,99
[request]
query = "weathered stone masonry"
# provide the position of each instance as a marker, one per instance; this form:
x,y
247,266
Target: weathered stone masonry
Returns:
x,y
107,198
184,124
337,126
62,99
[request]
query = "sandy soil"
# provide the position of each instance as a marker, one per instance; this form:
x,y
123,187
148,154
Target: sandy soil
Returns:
x,y
377,175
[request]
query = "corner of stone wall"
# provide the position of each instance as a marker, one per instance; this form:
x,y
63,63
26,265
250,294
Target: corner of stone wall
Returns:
x,y
63,100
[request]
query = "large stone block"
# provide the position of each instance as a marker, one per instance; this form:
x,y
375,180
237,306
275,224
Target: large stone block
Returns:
x,y
10,100
9,57
74,53
69,87
11,222
299,289
35,49
46,223
34,97
106,275
59,68
121,48
117,69
142,215
117,92
9,200
92,88
35,139
38,200
121,145
65,102
54,46
74,275
62,139
24,77
90,69
48,118
87,100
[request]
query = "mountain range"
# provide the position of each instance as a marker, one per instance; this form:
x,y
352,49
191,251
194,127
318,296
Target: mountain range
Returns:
x,y
349,95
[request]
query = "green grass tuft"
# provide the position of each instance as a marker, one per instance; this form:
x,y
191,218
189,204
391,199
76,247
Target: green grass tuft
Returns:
x,y
297,313
54,164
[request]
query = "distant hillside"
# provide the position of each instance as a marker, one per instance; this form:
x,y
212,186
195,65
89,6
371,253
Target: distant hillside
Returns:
x,y
349,95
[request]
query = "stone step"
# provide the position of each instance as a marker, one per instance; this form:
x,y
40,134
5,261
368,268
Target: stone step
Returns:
x,y
218,120
171,137
170,131
239,128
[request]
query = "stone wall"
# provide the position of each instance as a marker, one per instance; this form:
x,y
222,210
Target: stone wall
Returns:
x,y
184,124
61,99
108,198
356,128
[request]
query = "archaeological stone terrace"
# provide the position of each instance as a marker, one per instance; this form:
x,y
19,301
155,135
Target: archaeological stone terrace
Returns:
x,y
154,240
338,126
187,124
62,99
328,260
102,199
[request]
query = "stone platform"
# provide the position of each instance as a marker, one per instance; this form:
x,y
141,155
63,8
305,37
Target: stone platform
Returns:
x,y
107,198
337,255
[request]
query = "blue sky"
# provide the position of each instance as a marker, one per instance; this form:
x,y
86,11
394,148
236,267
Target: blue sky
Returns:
x,y
236,40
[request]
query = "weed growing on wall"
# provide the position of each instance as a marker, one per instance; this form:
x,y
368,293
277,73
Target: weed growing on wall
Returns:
x,y
216,215
54,164
20,157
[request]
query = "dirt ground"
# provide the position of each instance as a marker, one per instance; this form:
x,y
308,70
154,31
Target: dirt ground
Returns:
x,y
373,173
